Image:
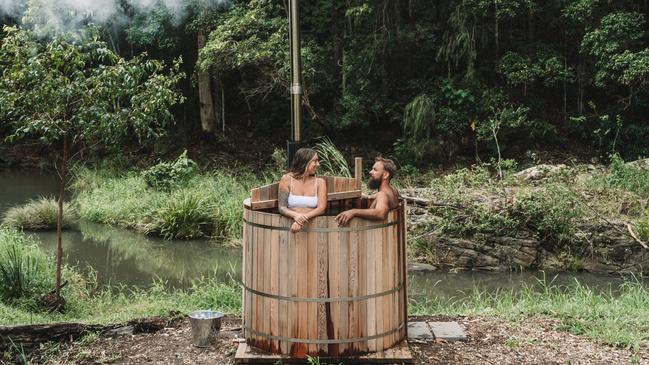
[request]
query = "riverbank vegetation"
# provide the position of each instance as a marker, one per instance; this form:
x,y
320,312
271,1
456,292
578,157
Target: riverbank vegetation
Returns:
x,y
203,205
572,211
39,214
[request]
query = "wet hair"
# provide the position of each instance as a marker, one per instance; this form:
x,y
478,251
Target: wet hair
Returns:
x,y
301,161
388,165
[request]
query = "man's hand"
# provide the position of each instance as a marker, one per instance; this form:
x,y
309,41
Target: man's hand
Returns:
x,y
344,217
296,227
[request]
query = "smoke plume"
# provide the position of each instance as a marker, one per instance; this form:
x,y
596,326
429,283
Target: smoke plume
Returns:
x,y
66,15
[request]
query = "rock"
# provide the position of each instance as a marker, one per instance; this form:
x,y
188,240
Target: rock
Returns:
x,y
420,267
120,331
638,164
539,172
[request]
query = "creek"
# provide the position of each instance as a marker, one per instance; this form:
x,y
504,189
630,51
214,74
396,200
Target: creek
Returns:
x,y
122,257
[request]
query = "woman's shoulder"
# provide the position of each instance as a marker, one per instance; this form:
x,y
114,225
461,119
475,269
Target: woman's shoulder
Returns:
x,y
285,179
321,181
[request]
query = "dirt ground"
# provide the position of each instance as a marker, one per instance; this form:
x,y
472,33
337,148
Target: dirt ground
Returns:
x,y
490,341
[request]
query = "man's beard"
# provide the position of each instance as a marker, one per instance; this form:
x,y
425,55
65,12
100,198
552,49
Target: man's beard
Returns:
x,y
373,184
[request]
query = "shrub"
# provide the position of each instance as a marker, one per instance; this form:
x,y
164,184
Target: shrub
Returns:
x,y
550,213
185,215
167,175
39,214
628,178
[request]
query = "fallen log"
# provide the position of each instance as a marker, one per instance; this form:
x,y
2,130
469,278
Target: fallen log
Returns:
x,y
417,200
30,336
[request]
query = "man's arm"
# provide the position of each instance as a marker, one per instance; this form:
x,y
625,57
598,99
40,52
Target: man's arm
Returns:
x,y
379,212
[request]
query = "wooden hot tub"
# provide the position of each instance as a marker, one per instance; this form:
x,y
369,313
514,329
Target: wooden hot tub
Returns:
x,y
327,290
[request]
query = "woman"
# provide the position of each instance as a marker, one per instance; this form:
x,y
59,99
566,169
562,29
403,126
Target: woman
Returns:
x,y
301,194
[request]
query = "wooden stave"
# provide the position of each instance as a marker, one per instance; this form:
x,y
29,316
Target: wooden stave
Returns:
x,y
394,333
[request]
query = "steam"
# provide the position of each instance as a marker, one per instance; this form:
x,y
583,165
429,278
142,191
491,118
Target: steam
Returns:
x,y
61,16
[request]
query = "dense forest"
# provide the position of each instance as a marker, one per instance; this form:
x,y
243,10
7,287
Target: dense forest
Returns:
x,y
426,80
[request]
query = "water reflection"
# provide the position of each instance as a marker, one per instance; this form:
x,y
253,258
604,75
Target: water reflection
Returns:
x,y
17,187
458,285
124,257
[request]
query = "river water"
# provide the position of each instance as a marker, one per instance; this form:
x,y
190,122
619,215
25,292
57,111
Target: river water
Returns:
x,y
122,257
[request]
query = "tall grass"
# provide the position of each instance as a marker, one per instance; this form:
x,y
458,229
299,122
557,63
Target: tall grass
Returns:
x,y
39,214
208,205
26,273
332,161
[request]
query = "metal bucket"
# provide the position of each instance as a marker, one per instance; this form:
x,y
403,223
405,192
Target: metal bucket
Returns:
x,y
204,323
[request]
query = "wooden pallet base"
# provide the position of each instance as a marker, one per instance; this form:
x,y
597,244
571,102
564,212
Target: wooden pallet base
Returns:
x,y
399,354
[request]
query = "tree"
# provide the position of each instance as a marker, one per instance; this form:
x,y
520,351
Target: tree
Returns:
x,y
79,95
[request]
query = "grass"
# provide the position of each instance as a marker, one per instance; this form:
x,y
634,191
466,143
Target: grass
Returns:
x,y
120,305
207,205
633,179
26,273
39,214
619,317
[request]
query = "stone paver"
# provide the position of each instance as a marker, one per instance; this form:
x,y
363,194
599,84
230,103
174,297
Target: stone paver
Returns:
x,y
419,331
448,331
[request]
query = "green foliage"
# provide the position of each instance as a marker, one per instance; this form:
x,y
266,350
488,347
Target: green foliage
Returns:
x,y
82,91
519,69
168,175
613,45
185,215
642,227
39,214
430,119
332,161
154,27
419,117
550,214
506,117
25,272
632,179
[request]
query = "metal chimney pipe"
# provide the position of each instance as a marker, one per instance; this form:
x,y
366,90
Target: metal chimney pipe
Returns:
x,y
296,70
296,80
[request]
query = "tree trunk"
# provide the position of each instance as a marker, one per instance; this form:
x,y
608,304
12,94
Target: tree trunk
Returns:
x,y
496,36
565,72
222,104
209,118
59,217
580,87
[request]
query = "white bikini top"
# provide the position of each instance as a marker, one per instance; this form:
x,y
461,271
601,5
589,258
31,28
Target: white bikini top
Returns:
x,y
302,201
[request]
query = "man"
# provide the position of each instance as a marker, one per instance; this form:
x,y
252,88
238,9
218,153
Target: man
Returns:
x,y
385,199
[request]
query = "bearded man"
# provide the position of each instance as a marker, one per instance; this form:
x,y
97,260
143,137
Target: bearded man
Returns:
x,y
385,199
